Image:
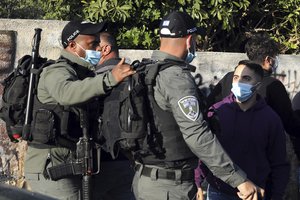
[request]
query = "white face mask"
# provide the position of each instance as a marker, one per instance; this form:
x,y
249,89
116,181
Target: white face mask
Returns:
x,y
91,56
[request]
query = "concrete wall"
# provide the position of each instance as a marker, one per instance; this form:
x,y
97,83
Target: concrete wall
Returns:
x,y
211,65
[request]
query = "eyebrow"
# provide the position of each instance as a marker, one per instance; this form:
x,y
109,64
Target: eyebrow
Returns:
x,y
243,76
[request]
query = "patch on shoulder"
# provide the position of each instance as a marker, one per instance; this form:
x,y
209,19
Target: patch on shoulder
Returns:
x,y
190,107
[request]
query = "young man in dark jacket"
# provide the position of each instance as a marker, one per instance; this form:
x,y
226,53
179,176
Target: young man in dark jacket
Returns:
x,y
264,51
252,134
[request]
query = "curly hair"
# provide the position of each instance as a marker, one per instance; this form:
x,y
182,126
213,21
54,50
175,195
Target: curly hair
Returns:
x,y
259,46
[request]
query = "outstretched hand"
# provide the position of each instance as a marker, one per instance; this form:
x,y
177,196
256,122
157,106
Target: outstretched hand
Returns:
x,y
121,71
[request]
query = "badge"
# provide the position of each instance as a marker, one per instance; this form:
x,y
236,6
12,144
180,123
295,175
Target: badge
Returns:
x,y
190,107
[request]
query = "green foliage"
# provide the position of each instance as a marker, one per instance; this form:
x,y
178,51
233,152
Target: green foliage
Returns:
x,y
228,23
135,21
40,9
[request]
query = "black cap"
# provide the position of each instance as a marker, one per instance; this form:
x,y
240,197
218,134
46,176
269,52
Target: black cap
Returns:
x,y
75,28
178,24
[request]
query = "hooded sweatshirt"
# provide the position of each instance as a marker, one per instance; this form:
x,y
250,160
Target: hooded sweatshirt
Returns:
x,y
255,141
276,96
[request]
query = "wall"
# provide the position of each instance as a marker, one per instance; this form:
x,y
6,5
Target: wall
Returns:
x,y
211,65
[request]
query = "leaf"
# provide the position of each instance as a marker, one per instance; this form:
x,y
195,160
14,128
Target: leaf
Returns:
x,y
125,7
219,15
236,4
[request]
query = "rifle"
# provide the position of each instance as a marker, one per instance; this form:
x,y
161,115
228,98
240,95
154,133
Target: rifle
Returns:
x,y
83,164
84,155
34,64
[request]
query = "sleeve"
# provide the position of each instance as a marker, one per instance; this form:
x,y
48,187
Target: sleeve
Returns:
x,y
201,172
296,102
278,161
64,87
278,99
221,90
180,93
296,108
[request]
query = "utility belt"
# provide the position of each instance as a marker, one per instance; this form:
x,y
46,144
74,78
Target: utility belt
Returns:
x,y
177,175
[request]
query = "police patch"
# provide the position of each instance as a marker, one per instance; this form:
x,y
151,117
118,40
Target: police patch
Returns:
x,y
190,107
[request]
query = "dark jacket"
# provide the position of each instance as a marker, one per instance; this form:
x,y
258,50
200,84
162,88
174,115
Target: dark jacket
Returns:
x,y
255,141
275,95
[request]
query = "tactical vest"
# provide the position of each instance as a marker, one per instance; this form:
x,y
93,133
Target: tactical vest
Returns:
x,y
58,125
167,134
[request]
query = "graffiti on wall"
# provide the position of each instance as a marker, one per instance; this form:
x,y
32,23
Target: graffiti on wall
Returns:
x,y
291,80
11,154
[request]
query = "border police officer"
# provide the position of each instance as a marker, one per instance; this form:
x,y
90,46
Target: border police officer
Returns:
x,y
62,87
184,133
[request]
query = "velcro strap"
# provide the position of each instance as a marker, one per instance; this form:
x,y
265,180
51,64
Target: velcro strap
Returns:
x,y
186,175
62,171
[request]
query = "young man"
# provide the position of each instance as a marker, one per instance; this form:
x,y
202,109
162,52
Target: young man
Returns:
x,y
65,90
252,134
181,131
263,50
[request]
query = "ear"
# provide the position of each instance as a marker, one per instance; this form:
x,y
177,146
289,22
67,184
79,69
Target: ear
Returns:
x,y
72,44
189,41
268,60
106,50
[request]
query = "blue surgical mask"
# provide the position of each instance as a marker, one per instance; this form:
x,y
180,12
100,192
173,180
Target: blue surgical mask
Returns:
x,y
242,91
191,52
189,57
91,56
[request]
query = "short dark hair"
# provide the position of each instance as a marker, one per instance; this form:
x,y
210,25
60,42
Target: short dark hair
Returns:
x,y
110,39
258,70
259,46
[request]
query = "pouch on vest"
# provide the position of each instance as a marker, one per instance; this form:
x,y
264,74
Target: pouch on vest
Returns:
x,y
43,126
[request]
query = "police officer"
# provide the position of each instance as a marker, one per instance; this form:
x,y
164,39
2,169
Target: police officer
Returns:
x,y
184,133
114,180
65,88
109,52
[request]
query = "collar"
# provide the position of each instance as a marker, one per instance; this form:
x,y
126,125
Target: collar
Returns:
x,y
107,65
160,55
163,56
111,61
267,73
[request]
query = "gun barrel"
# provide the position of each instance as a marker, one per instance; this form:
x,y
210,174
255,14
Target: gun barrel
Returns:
x,y
86,188
29,103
